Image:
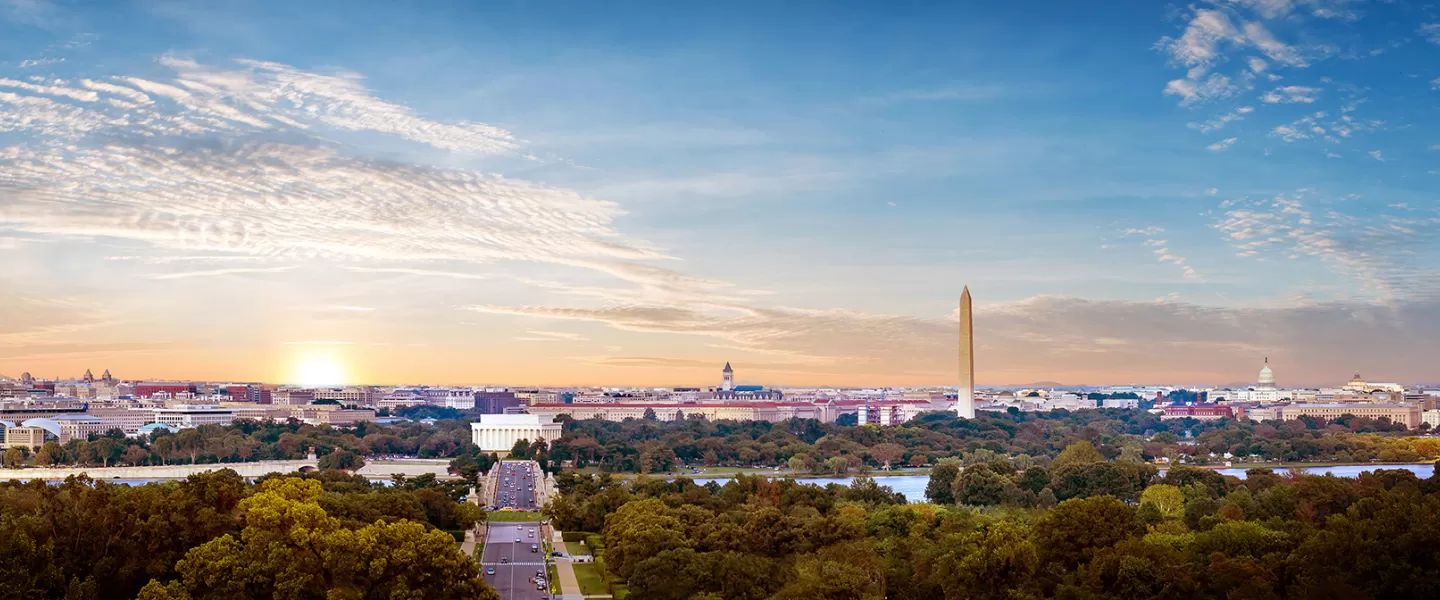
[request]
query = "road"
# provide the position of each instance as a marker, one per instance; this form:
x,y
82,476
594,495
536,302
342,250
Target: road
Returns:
x,y
510,566
517,485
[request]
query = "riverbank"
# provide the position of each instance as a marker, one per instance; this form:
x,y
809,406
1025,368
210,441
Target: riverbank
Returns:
x,y
720,473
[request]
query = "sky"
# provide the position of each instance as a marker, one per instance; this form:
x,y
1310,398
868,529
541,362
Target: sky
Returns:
x,y
634,193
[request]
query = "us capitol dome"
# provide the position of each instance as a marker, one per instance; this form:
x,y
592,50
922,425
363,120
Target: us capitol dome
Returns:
x,y
1267,377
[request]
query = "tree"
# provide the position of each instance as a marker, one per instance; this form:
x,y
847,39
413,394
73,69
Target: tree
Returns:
x,y
1167,499
848,571
649,415
51,453
136,455
13,459
1069,534
980,486
988,564
341,460
290,548
669,575
1035,479
521,449
1076,454
887,453
940,489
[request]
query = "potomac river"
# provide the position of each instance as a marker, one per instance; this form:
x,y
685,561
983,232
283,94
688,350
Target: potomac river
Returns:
x,y
913,486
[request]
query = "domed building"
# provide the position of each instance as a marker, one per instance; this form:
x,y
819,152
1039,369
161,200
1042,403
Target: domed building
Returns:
x,y
1263,392
1267,377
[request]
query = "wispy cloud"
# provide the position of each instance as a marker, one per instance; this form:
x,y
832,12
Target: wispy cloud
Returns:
x,y
1377,250
1322,126
419,272
1290,94
220,272
1431,31
944,93
552,336
1164,255
1146,231
318,343
1220,121
35,63
353,308
1221,145
1215,34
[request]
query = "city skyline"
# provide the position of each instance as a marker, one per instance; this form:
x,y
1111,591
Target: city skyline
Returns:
x,y
633,195
726,378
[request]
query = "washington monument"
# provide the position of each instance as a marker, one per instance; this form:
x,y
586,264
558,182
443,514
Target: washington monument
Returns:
x,y
965,399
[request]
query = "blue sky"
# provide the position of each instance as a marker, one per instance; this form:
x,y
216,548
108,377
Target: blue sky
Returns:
x,y
1134,191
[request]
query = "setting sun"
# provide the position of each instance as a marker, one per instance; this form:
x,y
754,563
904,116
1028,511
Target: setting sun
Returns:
x,y
318,370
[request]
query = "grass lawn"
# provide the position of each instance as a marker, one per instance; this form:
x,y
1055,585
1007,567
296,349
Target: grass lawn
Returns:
x,y
591,582
576,549
619,590
513,517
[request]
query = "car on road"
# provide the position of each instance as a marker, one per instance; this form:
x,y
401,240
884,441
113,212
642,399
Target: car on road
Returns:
x,y
517,540
534,548
490,571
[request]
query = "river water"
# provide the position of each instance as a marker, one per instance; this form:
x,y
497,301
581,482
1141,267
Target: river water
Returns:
x,y
913,486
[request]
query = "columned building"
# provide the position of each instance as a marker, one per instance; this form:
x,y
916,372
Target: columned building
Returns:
x,y
498,433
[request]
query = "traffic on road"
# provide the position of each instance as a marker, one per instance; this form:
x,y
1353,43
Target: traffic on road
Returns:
x,y
514,557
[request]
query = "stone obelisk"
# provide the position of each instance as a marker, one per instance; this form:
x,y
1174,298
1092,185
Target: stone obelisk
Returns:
x,y
965,399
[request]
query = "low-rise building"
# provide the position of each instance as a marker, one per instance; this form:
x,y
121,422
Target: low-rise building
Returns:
x,y
350,396
24,437
1130,403
80,427
182,416
289,397
1397,413
494,402
1432,417
331,415
1203,412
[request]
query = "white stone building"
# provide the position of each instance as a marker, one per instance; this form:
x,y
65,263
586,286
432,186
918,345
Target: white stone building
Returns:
x,y
498,433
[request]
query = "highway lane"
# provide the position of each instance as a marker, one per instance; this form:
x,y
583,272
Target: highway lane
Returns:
x,y
517,485
514,566
513,554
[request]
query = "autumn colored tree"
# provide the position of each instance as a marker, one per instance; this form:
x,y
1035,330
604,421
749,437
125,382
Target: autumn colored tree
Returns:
x,y
291,549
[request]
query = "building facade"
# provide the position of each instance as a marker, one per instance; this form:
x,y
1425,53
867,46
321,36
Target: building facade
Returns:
x,y
24,437
498,433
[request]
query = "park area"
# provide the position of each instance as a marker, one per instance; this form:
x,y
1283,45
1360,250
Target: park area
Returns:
x,y
591,576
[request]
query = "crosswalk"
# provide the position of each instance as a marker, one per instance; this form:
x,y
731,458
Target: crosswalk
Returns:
x,y
518,564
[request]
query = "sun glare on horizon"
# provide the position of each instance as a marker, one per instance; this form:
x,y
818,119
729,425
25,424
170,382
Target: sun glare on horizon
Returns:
x,y
318,370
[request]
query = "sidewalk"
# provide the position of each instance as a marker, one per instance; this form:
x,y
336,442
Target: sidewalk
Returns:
x,y
569,586
564,570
